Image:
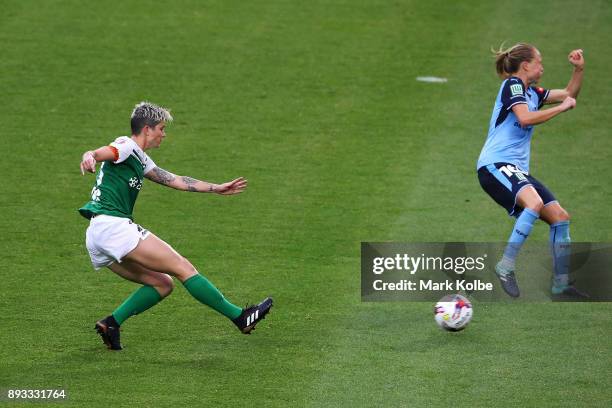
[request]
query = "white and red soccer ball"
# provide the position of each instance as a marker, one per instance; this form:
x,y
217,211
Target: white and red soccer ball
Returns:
x,y
453,312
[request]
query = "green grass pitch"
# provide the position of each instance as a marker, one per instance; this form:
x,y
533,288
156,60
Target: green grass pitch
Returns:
x,y
316,104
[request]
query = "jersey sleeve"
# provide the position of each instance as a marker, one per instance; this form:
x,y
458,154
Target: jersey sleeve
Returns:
x,y
513,93
149,164
542,94
122,149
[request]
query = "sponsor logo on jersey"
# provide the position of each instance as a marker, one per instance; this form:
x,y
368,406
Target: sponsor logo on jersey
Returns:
x,y
518,125
95,194
135,182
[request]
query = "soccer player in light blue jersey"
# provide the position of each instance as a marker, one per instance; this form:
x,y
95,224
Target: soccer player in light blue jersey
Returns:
x,y
503,165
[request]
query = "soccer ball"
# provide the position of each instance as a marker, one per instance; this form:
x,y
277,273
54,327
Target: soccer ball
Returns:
x,y
453,312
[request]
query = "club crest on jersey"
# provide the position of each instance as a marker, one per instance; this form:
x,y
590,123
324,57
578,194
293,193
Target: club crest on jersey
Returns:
x,y
516,89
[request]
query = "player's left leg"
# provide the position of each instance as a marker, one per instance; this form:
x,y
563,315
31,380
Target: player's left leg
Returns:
x,y
152,252
560,242
552,213
560,246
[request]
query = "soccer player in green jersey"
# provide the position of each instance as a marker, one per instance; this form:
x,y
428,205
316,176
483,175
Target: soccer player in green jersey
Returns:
x,y
134,253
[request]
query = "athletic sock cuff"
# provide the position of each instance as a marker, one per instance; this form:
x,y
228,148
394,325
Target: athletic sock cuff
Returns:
x,y
190,279
154,293
531,212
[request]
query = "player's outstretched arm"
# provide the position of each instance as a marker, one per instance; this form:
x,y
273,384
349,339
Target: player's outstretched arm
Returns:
x,y
530,118
91,157
186,183
576,58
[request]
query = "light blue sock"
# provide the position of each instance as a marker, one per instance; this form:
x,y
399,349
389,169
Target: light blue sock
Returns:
x,y
520,232
561,250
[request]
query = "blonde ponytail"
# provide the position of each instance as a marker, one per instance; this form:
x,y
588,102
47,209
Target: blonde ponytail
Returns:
x,y
508,61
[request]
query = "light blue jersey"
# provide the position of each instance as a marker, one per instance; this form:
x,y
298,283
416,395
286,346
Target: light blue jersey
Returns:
x,y
507,141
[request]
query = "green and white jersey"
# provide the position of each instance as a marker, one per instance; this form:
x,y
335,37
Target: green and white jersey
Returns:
x,y
118,182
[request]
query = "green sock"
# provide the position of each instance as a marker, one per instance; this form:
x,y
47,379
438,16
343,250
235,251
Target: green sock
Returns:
x,y
200,288
139,301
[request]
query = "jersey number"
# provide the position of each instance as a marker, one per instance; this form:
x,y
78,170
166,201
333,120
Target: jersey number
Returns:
x,y
510,170
95,192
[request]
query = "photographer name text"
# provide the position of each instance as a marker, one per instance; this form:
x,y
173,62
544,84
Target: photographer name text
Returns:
x,y
430,285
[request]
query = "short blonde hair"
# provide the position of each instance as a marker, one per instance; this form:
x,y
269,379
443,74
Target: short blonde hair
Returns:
x,y
147,113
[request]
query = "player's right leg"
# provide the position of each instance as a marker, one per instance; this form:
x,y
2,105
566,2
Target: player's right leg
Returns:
x,y
155,254
511,188
108,240
531,204
156,286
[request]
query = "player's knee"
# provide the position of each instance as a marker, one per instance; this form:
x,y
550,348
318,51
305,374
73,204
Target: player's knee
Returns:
x,y
185,269
164,285
536,205
563,215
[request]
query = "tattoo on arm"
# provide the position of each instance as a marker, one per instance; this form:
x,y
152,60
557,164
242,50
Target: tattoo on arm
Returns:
x,y
191,182
161,176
